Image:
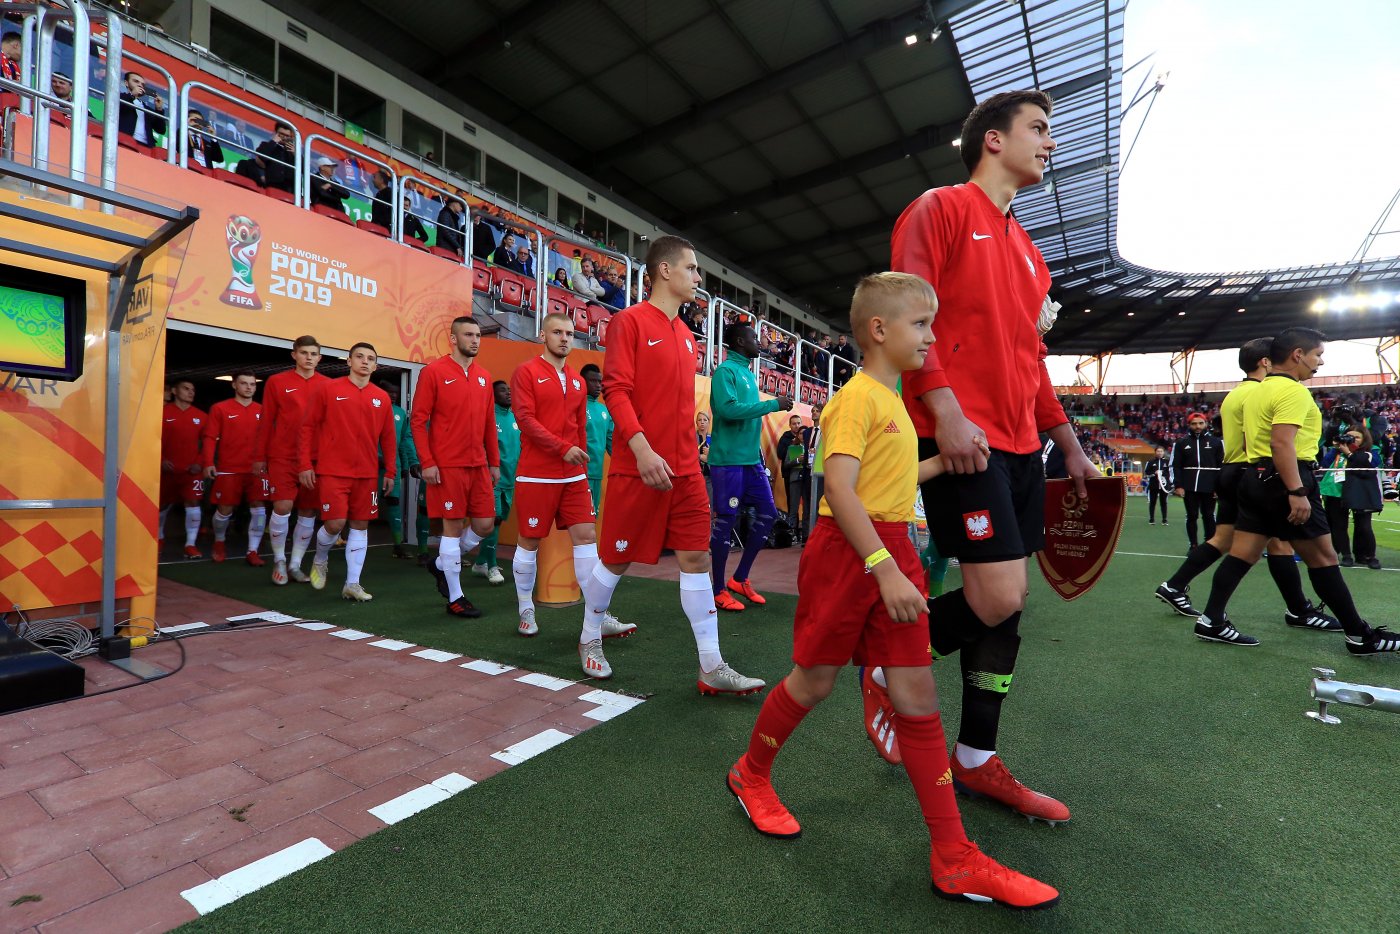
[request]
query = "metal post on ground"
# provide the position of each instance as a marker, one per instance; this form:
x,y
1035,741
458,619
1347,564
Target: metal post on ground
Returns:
x,y
1327,691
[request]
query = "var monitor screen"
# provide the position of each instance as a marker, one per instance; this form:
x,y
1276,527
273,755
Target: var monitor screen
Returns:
x,y
43,321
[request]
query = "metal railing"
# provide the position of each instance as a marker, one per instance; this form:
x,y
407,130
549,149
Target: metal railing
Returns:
x,y
308,160
298,182
402,208
170,83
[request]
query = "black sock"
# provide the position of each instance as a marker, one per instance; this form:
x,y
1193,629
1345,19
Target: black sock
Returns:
x,y
1290,583
1197,560
952,624
987,666
1227,577
1333,591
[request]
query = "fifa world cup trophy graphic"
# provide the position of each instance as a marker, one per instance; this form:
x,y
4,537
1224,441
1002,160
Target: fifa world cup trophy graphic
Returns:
x,y
243,235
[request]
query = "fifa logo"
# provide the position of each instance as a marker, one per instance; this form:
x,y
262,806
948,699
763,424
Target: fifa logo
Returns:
x,y
244,235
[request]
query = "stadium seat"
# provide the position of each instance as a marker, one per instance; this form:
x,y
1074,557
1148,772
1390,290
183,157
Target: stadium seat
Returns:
x,y
127,141
416,243
200,170
445,253
512,293
233,178
597,312
806,393
332,213
580,316
770,381
373,228
785,384
481,279
600,338
158,153
278,194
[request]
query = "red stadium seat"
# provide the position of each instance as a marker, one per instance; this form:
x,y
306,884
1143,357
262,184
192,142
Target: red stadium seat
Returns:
x,y
597,312
127,141
373,228
200,170
233,178
416,243
445,253
280,194
601,336
806,393
512,293
785,384
332,213
481,279
158,153
770,381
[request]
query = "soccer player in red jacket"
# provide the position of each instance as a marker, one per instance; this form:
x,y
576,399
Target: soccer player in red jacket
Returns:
x,y
454,431
349,424
181,477
656,494
285,397
985,383
227,448
550,402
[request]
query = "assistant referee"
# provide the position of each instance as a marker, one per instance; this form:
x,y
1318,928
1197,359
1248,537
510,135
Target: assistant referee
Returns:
x,y
1278,497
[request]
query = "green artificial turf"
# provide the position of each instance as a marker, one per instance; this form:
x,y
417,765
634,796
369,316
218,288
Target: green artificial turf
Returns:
x,y
1203,799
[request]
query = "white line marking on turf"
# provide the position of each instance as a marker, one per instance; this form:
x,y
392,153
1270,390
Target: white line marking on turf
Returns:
x,y
393,645
352,634
610,699
545,681
421,798
186,627
603,713
316,627
528,748
436,655
1146,554
487,668
247,879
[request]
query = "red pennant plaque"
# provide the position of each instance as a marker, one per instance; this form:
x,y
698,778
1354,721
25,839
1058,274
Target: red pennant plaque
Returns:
x,y
1080,534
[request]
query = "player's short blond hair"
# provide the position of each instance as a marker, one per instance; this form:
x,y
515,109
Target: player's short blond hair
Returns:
x,y
558,316
881,293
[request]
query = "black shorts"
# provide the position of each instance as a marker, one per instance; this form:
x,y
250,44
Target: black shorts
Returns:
x,y
1227,491
1264,505
995,515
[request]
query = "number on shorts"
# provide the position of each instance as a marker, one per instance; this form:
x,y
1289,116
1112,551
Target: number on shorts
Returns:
x,y
198,486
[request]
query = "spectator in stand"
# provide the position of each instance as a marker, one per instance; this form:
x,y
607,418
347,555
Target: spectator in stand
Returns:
x,y
273,162
485,235
525,262
236,135
142,116
579,228
561,278
614,295
61,86
504,255
586,282
10,50
325,190
381,211
695,320
845,354
452,226
204,150
792,450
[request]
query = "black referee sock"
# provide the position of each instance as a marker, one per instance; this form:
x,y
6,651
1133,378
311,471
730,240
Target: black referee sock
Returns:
x,y
1222,587
952,624
1333,591
1197,560
987,665
1290,583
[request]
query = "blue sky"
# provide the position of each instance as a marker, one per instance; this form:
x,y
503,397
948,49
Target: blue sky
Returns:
x,y
1274,143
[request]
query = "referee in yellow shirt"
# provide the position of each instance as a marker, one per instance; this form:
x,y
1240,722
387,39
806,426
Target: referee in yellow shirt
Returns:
x,y
1278,497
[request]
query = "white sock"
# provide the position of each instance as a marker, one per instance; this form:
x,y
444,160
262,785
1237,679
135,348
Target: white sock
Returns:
x,y
301,539
324,541
585,557
220,523
449,562
469,540
191,525
970,758
257,523
164,518
277,532
597,590
878,676
356,541
698,601
524,566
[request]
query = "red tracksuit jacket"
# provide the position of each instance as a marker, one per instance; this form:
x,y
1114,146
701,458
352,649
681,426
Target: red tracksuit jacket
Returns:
x,y
285,398
553,417
454,416
232,430
351,429
649,387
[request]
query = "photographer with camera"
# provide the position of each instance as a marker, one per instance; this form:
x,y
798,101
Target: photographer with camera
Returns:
x,y
142,115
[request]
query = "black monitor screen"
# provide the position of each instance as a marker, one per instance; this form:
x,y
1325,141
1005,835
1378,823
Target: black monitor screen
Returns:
x,y
43,320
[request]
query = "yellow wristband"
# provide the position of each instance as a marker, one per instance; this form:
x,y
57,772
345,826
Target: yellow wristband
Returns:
x,y
876,558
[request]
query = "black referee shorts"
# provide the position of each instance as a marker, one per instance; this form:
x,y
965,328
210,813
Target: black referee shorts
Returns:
x,y
1265,504
1227,492
995,515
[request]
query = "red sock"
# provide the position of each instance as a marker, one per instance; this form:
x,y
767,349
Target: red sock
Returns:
x,y
776,721
925,752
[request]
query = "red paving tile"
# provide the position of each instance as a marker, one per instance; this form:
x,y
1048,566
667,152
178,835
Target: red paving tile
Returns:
x,y
237,720
218,750
18,752
289,729
452,735
125,748
38,773
473,761
352,813
115,782
151,907
512,710
285,761
75,714
20,811
362,708
380,763
148,853
446,706
193,792
38,844
362,734
292,798
60,887
312,826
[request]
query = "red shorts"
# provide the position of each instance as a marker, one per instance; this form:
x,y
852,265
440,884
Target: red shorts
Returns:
x,y
840,616
283,484
230,489
639,521
354,498
465,492
180,487
538,506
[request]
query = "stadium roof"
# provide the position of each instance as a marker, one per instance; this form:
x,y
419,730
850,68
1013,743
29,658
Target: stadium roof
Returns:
x,y
788,136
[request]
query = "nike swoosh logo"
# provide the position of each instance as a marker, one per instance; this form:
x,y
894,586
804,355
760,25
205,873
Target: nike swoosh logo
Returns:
x,y
289,390
341,398
654,343
545,380
231,417
978,236
170,419
448,382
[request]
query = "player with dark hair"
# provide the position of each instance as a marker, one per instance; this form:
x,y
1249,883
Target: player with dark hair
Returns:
x,y
353,423
600,430
985,383
181,475
456,440
285,397
737,474
1300,613
656,494
229,436
1278,498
